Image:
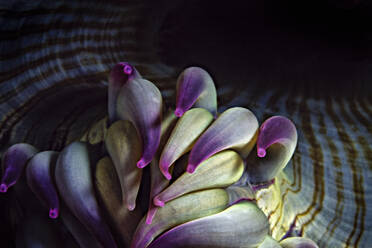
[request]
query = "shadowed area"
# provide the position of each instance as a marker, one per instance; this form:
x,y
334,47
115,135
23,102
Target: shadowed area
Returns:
x,y
322,44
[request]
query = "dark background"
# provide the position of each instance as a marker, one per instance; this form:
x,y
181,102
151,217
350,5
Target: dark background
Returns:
x,y
325,44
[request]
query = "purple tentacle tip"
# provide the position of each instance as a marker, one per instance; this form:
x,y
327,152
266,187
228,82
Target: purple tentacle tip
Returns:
x,y
151,214
3,188
164,170
127,69
53,213
190,168
158,202
178,112
167,175
141,163
261,152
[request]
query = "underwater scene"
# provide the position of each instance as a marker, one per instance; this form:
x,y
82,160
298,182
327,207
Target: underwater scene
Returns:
x,y
185,123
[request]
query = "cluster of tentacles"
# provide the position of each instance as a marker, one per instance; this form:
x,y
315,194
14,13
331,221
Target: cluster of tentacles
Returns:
x,y
203,176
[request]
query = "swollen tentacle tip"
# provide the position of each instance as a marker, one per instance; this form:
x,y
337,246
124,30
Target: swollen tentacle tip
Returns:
x,y
190,168
3,188
261,152
141,163
158,202
178,112
128,69
53,213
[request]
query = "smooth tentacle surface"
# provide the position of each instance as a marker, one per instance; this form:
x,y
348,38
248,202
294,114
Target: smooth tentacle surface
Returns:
x,y
13,164
40,179
75,183
195,88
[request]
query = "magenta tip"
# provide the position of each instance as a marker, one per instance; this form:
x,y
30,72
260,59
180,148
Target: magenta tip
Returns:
x,y
167,175
53,213
128,69
190,169
3,188
151,214
141,163
164,166
149,220
178,112
158,202
261,152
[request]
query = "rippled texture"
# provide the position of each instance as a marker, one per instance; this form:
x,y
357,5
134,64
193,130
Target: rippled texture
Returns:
x,y
55,61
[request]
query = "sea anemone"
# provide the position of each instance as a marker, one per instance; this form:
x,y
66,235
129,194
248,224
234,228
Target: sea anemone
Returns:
x,y
207,186
308,62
